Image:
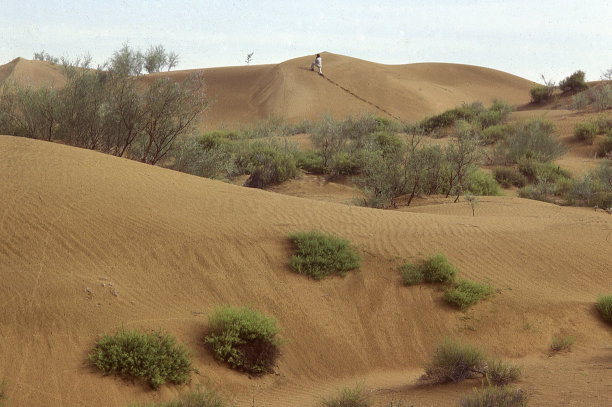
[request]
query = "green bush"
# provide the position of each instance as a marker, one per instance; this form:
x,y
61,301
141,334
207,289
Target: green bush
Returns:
x,y
454,362
580,100
154,357
267,164
546,171
559,344
467,293
532,139
243,338
496,133
437,269
449,117
604,305
411,274
500,373
507,177
602,97
319,255
197,398
605,146
348,397
310,161
482,183
575,82
604,124
540,94
586,131
343,163
494,396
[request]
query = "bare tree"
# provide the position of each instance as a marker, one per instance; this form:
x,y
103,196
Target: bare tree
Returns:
x,y
249,58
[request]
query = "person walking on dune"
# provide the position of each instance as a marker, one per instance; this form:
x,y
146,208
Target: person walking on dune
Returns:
x,y
317,62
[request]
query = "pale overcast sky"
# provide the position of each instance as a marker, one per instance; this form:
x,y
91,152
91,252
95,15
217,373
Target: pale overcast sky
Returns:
x,y
523,37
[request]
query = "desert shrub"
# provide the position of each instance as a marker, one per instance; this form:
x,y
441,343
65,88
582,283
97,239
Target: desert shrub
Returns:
x,y
309,161
580,100
540,93
437,269
536,170
348,397
243,338
267,163
575,82
594,188
411,273
494,134
604,305
196,398
449,117
273,126
386,124
453,362
482,183
539,191
605,146
494,396
532,139
343,163
507,176
602,97
559,344
319,255
500,373
208,155
496,114
467,293
154,357
586,131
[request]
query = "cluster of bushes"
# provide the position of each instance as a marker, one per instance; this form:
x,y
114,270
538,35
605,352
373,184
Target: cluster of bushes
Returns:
x,y
437,269
587,131
196,398
104,109
573,83
600,97
474,113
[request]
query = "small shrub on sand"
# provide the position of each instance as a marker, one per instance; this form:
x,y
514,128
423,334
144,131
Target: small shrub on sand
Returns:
x,y
500,373
605,146
348,397
319,255
575,82
493,134
580,100
243,338
411,274
534,139
437,269
454,362
604,305
467,293
507,176
197,398
559,344
154,357
540,93
586,131
493,396
482,183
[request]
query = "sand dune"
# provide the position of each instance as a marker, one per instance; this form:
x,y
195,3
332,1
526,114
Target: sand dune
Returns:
x,y
247,94
173,246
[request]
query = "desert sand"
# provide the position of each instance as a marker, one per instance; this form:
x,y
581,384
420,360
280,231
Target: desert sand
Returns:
x,y
90,243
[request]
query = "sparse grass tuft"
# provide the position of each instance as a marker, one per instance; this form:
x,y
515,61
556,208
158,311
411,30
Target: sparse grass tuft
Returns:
x,y
494,396
437,269
604,305
154,357
244,338
559,344
501,373
348,397
319,255
454,362
411,274
467,293
197,398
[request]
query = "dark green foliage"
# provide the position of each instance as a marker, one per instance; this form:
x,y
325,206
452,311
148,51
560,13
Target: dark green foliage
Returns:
x,y
482,183
586,131
454,362
532,139
243,338
500,373
467,293
604,305
575,82
540,93
449,117
310,161
546,171
507,177
494,396
154,357
197,398
267,163
318,255
437,269
343,163
496,133
411,274
348,397
594,188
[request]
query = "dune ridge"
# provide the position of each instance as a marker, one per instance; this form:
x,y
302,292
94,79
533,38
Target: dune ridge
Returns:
x,y
173,246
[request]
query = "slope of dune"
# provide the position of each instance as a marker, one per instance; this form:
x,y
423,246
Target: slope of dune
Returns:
x,y
33,73
90,243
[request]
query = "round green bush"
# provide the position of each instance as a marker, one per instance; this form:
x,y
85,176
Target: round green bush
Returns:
x,y
155,357
243,338
454,362
604,305
467,293
437,269
319,255
586,131
411,274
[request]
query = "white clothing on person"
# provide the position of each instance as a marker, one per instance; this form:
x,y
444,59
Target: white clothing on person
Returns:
x,y
318,64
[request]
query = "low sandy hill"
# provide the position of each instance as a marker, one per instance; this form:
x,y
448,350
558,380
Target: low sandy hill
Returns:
x,y
33,73
90,243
